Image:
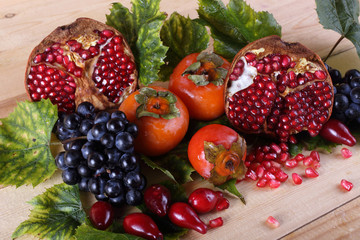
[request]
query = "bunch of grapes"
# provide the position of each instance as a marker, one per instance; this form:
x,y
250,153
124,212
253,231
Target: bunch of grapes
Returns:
x,y
347,96
99,155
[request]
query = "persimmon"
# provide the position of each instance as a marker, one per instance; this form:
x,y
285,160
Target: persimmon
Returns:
x,y
161,116
217,153
198,80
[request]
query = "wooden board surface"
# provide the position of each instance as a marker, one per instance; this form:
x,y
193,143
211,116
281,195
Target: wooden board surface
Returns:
x,y
317,209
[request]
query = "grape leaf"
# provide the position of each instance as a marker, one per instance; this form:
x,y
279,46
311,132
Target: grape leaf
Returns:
x,y
25,156
341,16
235,25
141,28
154,166
87,232
56,214
183,36
151,52
230,186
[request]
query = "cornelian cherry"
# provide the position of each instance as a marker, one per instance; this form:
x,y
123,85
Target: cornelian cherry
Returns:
x,y
157,199
101,215
142,225
204,200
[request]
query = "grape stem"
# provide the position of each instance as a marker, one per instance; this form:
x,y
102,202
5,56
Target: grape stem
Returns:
x,y
333,48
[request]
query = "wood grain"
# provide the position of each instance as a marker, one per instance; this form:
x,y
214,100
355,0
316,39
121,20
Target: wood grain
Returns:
x,y
317,209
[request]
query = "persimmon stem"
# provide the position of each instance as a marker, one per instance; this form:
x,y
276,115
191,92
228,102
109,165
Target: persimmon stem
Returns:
x,y
333,48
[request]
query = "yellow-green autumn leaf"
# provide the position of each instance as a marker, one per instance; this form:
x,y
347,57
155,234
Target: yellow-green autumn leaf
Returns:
x,y
56,214
25,156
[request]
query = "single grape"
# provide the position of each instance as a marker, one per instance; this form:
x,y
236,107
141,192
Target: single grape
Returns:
x,y
132,129
83,184
341,102
128,162
88,148
115,125
355,82
70,176
133,197
113,188
72,121
124,142
116,174
355,95
95,160
118,114
60,162
96,185
350,74
98,130
85,109
77,144
86,125
72,158
343,88
133,180
117,201
335,76
84,170
102,117
113,155
107,140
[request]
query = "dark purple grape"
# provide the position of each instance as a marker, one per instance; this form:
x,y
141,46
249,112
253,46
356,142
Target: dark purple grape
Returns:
x,y
72,158
132,129
133,180
95,160
117,201
124,141
86,125
113,188
83,185
133,197
355,95
77,144
84,170
335,76
350,74
98,130
341,102
128,162
101,117
96,185
72,121
88,148
115,125
70,176
107,140
85,109
355,82
118,114
60,162
116,174
343,88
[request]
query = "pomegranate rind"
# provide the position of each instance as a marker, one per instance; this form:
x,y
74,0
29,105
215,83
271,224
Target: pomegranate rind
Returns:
x,y
274,45
85,86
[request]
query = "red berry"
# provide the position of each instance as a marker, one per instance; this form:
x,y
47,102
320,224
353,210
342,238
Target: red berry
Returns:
x,y
217,222
142,225
203,200
157,199
335,131
101,215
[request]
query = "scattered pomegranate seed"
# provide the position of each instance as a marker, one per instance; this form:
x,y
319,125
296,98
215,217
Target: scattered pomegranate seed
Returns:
x,y
262,182
346,153
311,173
296,178
315,155
346,185
308,161
217,222
273,222
299,157
222,204
291,163
274,183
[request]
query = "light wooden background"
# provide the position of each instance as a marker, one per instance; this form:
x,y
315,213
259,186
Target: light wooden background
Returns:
x,y
317,209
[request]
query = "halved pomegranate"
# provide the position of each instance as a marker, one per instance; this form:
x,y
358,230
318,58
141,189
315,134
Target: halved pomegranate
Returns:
x,y
83,61
278,88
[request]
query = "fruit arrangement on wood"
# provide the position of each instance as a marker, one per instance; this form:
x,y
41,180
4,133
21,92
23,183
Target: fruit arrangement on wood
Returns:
x,y
236,113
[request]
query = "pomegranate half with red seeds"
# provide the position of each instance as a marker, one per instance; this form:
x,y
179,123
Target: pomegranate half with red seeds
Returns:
x,y
83,61
278,88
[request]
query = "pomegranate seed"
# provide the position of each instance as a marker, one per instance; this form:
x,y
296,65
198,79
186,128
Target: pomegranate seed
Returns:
x,y
262,182
217,222
223,204
316,165
281,176
275,147
250,56
291,163
296,178
269,176
273,183
346,153
315,155
284,156
299,157
346,185
273,222
308,161
260,170
251,174
311,173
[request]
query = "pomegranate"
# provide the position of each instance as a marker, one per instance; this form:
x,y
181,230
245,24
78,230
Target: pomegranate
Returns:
x,y
279,89
83,61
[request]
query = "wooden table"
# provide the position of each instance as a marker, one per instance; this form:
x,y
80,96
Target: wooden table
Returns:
x,y
317,209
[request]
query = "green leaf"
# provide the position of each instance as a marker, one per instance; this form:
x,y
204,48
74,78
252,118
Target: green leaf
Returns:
x,y
230,186
56,214
235,25
86,232
25,156
341,16
154,166
141,28
151,52
183,36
